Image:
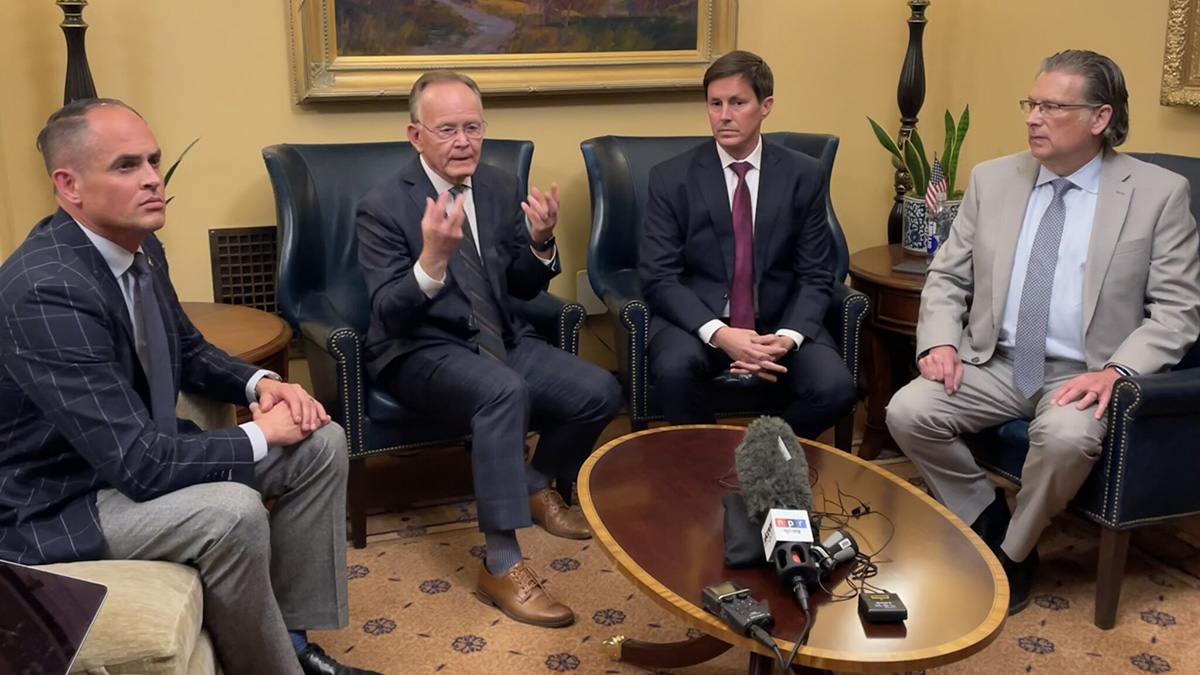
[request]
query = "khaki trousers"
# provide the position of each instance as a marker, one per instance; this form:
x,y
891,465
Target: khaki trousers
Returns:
x,y
1064,443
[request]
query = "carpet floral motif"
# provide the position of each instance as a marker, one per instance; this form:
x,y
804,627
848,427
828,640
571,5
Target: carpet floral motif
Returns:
x,y
468,644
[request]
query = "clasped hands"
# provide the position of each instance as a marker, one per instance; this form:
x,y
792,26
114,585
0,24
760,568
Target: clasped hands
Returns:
x,y
942,364
751,353
286,413
442,226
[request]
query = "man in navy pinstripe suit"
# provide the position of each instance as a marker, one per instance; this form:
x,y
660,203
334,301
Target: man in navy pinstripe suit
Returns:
x,y
94,350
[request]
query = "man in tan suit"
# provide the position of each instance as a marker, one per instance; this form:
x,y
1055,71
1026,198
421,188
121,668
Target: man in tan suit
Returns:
x,y
1082,266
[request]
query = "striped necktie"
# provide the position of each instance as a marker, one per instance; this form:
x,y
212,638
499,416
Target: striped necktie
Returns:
x,y
485,313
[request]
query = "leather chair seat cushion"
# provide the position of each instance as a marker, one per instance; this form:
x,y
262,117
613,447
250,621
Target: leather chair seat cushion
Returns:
x,y
150,621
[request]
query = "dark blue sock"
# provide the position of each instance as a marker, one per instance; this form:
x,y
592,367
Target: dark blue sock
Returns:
x,y
299,640
503,552
535,480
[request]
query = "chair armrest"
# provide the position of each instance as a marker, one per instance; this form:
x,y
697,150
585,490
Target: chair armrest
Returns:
x,y
557,320
844,321
335,362
1148,463
631,328
1172,393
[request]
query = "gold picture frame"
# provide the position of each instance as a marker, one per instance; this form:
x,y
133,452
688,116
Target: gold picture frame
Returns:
x,y
1181,62
320,73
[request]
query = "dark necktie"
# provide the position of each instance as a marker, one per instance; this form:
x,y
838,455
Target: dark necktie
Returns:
x,y
486,312
1033,317
157,361
741,299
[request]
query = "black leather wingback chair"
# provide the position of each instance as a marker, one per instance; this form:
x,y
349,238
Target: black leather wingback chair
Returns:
x,y
323,295
1147,470
618,173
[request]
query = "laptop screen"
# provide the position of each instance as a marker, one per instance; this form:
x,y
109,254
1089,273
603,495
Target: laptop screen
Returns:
x,y
44,618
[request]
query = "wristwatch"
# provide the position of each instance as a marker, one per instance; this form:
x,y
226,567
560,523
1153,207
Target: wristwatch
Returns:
x,y
543,246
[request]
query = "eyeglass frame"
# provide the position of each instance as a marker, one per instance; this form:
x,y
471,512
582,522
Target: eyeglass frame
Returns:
x,y
438,133
1055,108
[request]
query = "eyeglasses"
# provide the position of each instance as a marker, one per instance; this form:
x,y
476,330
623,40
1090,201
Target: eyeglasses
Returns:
x,y
1051,108
446,132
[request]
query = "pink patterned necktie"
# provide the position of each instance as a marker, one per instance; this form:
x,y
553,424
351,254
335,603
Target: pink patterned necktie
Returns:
x,y
741,299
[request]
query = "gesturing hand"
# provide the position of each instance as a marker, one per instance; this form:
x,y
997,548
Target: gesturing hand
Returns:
x,y
942,364
542,211
442,233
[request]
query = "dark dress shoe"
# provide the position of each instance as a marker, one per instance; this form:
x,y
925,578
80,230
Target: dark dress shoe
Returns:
x,y
1020,579
314,661
992,524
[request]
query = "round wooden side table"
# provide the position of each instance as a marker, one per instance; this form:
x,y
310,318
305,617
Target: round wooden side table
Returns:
x,y
891,329
252,335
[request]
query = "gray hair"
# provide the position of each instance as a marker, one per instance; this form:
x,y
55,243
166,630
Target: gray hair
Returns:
x,y
436,77
67,129
1105,86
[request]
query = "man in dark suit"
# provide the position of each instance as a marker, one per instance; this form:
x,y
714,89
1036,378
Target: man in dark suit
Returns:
x,y
94,350
735,263
443,244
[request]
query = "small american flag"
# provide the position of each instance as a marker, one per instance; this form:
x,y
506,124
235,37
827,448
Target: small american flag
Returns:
x,y
935,194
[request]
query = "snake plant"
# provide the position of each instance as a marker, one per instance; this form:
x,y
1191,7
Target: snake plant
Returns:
x,y
916,162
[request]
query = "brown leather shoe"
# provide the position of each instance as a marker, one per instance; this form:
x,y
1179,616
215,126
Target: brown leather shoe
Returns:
x,y
520,595
552,513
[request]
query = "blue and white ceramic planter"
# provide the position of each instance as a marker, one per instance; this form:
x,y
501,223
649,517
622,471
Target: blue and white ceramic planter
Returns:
x,y
918,227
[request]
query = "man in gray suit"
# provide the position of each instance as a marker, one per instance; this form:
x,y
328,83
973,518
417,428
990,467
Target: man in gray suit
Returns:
x,y
94,350
1082,267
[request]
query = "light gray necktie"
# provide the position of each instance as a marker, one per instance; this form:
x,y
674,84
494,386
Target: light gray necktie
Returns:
x,y
1033,319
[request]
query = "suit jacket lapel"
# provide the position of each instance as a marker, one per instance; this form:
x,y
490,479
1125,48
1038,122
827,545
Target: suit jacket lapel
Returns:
x,y
1112,203
1015,202
711,177
487,218
66,230
771,191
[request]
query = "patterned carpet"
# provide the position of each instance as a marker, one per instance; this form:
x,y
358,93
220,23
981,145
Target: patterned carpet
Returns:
x,y
412,609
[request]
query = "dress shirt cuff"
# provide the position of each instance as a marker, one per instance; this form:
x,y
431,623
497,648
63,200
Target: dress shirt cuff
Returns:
x,y
1125,371
251,394
548,262
257,440
708,330
429,286
796,337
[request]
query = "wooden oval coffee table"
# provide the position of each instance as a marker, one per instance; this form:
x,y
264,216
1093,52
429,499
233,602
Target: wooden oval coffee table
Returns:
x,y
654,504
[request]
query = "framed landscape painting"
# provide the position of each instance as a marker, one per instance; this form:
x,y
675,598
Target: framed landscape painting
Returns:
x,y
1181,62
356,49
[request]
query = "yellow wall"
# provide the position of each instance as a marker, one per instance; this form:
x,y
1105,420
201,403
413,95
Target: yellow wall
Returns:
x,y
996,48
218,70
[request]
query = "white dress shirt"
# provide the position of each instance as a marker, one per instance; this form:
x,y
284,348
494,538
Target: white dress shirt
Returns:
x,y
710,328
120,261
430,286
1064,334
